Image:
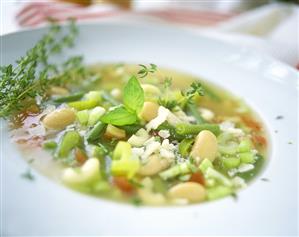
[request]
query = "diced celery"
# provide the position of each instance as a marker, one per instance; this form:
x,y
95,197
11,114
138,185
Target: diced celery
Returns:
x,y
204,165
224,137
126,167
231,162
229,148
212,173
218,192
176,170
69,141
247,157
94,95
245,146
122,150
82,117
95,115
97,150
83,104
50,145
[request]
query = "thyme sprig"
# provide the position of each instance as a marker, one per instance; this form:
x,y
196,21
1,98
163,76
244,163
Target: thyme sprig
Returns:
x,y
34,72
144,71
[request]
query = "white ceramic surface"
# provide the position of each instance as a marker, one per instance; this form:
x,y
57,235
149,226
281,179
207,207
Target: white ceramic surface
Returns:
x,y
43,207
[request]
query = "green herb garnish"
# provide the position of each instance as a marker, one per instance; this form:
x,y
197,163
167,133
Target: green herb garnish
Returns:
x,y
144,71
133,102
35,72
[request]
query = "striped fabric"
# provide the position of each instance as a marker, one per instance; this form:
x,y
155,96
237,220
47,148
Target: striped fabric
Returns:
x,y
34,14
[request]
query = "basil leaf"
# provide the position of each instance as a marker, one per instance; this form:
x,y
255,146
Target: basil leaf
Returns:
x,y
119,116
133,95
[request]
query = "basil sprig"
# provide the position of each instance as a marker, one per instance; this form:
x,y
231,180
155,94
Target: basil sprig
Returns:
x,y
126,114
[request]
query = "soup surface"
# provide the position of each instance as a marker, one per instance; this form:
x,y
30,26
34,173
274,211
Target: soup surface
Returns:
x,y
143,135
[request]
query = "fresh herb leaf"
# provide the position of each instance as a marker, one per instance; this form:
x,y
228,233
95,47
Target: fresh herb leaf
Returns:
x,y
119,116
35,72
28,175
166,100
133,95
195,88
144,71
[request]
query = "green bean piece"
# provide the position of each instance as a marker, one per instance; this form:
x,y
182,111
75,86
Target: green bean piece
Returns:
x,y
83,104
95,132
107,97
172,130
69,98
193,129
192,109
49,145
185,146
69,141
174,171
131,129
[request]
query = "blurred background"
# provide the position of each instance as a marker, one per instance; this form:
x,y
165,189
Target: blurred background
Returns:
x,y
268,26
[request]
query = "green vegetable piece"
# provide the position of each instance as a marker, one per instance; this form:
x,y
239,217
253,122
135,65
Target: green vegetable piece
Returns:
x,y
122,163
230,163
83,104
82,116
218,192
133,95
98,150
94,95
123,150
95,115
119,116
230,148
185,146
69,141
212,173
247,157
131,129
204,165
50,145
176,170
95,132
194,129
69,98
173,134
245,146
125,167
193,110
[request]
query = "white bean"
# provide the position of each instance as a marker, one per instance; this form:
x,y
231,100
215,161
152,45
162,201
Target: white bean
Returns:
x,y
193,192
205,146
154,165
59,118
149,111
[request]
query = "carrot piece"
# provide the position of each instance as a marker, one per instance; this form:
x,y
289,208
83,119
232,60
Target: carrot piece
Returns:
x,y
80,156
198,178
249,122
259,140
123,184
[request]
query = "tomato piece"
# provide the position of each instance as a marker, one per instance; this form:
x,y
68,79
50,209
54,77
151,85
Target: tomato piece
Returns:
x,y
197,178
123,184
249,122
